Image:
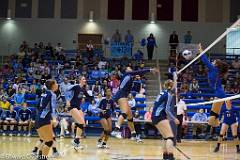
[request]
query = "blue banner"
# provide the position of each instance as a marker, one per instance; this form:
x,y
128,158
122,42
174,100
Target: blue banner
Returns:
x,y
119,50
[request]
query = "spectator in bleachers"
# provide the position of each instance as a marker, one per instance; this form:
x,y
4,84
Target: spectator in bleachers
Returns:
x,y
58,48
194,87
129,38
93,108
151,44
149,126
114,84
64,87
131,101
4,104
117,72
10,120
188,37
199,119
19,98
116,38
184,88
200,71
173,41
96,88
228,89
49,48
24,115
98,99
236,63
235,88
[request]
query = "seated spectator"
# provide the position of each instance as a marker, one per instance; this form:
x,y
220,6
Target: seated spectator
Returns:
x,y
235,88
4,104
96,88
194,87
24,115
138,56
93,108
95,73
10,120
131,101
236,64
114,84
184,88
19,98
228,89
199,119
149,126
58,48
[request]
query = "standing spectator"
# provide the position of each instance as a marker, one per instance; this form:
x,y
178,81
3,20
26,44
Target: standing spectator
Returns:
x,y
151,43
89,50
116,38
188,37
194,87
24,115
181,111
10,120
58,48
64,88
173,41
199,119
129,39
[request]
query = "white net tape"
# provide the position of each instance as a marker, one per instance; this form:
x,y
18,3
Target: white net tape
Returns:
x,y
215,101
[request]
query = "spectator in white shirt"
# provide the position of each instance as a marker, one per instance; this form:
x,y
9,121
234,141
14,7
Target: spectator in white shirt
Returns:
x,y
131,101
59,48
181,112
64,88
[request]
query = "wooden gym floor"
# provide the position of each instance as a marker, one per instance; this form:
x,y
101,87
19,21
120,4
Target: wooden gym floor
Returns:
x,y
20,148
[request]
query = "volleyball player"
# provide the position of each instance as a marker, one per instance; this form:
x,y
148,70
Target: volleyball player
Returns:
x,y
216,72
122,100
106,108
162,115
229,120
78,92
46,113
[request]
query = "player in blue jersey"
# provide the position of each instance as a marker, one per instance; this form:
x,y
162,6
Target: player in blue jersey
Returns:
x,y
77,93
46,114
229,120
216,72
106,107
161,116
24,115
122,100
10,119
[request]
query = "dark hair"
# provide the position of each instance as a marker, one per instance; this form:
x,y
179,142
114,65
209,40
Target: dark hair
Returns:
x,y
49,83
222,67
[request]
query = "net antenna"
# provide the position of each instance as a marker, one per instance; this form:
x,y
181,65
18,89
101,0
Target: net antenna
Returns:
x,y
234,25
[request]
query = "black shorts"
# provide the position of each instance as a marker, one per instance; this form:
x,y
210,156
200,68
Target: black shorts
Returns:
x,y
157,119
72,107
105,116
119,95
40,122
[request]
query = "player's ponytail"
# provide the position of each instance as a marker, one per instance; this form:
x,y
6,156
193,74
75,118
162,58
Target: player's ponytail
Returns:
x,y
222,67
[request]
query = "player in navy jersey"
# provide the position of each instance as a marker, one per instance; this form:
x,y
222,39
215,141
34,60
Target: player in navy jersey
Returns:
x,y
122,100
45,116
216,72
10,119
24,115
1,117
229,120
106,107
161,116
77,93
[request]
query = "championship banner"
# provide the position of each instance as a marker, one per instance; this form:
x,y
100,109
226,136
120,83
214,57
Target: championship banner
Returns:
x,y
119,50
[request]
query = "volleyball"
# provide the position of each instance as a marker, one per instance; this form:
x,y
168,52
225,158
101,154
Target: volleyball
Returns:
x,y
187,54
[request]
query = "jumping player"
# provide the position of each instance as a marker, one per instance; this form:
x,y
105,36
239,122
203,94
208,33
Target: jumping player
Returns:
x,y
122,100
78,92
106,108
162,114
229,120
216,72
46,113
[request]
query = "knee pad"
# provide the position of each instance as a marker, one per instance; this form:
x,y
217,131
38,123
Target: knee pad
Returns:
x,y
106,132
171,138
214,114
54,138
130,120
49,144
79,125
124,115
235,137
41,140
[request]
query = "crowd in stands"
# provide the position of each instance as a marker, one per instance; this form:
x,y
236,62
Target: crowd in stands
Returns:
x,y
24,74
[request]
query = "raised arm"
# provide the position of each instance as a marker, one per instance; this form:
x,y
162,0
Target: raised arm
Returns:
x,y
205,59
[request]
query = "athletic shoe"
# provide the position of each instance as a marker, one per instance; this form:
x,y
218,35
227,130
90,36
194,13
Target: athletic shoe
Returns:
x,y
24,135
99,143
61,137
116,134
10,134
139,140
103,146
18,134
238,150
29,135
4,134
77,146
56,154
216,149
34,153
67,132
